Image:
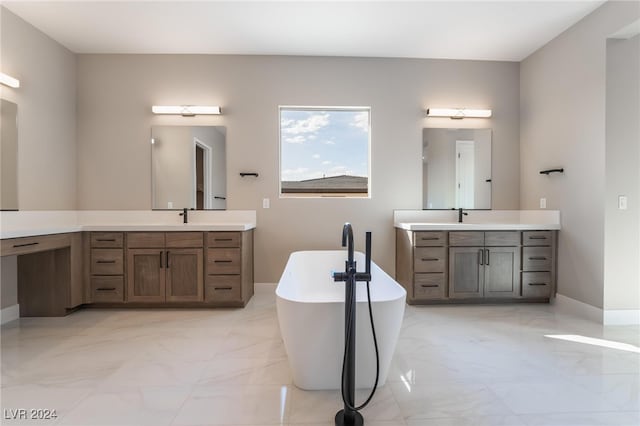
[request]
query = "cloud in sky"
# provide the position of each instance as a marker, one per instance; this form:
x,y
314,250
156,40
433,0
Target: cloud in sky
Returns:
x,y
361,121
299,130
323,143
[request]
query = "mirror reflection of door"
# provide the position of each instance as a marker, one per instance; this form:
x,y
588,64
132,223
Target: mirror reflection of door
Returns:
x,y
456,169
188,167
465,185
199,178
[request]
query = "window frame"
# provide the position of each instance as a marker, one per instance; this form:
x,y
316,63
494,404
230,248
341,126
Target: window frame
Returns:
x,y
313,195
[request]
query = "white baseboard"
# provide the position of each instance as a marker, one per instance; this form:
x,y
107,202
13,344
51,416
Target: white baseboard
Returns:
x,y
621,317
569,306
9,313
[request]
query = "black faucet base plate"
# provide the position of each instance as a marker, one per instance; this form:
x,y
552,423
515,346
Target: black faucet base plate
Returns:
x,y
357,419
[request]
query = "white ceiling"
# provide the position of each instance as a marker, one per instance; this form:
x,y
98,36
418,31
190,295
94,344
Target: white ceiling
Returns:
x,y
497,30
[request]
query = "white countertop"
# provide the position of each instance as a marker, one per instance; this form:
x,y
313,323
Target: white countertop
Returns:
x,y
477,220
32,223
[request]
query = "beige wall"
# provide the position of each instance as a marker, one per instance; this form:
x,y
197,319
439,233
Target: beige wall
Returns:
x,y
622,245
116,92
46,103
562,123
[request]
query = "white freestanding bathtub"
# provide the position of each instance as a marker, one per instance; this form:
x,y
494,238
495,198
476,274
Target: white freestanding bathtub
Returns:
x,y
311,316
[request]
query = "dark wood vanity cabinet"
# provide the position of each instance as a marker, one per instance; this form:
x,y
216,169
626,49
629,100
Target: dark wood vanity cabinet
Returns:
x,y
169,268
454,266
165,267
484,264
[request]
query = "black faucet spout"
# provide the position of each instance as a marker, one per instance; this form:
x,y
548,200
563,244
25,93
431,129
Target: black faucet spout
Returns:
x,y
185,215
347,241
461,212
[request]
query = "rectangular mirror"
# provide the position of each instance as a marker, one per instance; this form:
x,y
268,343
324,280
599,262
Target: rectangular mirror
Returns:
x,y
8,155
188,167
456,168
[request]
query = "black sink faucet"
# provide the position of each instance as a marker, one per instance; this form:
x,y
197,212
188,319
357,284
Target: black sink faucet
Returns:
x,y
460,213
185,215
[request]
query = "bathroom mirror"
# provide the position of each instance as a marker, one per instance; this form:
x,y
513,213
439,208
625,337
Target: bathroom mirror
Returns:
x,y
188,167
456,168
8,155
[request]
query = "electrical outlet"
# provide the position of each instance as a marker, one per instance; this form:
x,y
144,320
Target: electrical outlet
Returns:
x,y
169,204
543,203
265,203
622,202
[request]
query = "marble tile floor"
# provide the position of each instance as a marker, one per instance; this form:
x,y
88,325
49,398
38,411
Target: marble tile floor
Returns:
x,y
454,365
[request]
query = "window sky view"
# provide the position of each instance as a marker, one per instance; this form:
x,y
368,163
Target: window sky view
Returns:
x,y
316,143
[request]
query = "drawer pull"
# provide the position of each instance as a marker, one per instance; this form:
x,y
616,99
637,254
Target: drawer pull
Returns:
x,y
223,239
105,261
106,240
538,258
429,285
537,283
223,261
223,288
25,245
429,238
429,259
106,289
541,237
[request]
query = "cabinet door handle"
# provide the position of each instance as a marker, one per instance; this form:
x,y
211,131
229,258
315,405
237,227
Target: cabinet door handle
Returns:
x,y
538,258
223,288
161,260
223,239
534,237
105,261
429,285
429,259
167,262
105,289
222,261
25,245
106,240
481,257
429,238
537,283
487,262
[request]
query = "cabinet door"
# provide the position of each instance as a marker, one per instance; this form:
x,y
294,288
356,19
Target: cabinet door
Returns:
x,y
465,272
145,275
185,271
501,272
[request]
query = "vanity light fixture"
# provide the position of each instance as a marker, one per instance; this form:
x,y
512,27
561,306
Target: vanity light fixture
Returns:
x,y
186,110
458,113
7,80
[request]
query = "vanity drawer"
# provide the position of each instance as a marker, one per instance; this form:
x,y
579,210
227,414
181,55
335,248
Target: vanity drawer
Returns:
x,y
429,259
430,239
536,238
536,258
107,262
23,245
224,261
145,239
223,239
222,288
429,286
107,239
466,238
184,239
536,284
501,238
107,289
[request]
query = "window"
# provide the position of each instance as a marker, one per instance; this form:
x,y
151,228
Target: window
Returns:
x,y
324,151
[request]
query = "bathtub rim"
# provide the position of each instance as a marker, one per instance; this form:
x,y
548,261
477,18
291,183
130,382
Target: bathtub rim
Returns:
x,y
402,293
